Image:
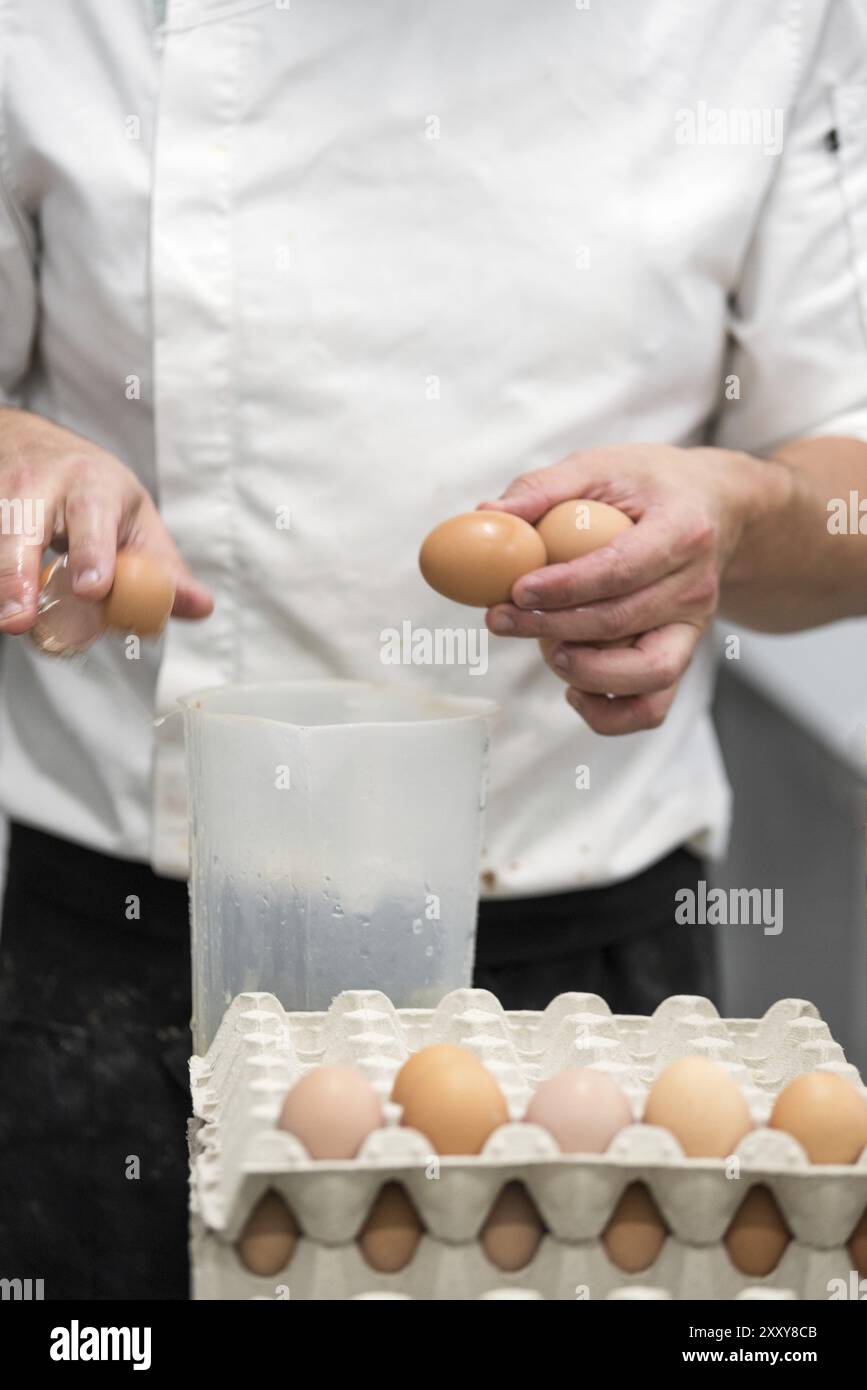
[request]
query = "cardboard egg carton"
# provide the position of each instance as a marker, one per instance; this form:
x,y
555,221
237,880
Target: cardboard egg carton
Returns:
x,y
260,1050
632,1293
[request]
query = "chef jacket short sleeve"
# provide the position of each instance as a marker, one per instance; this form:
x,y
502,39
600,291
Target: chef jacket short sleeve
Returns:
x,y
797,364
18,284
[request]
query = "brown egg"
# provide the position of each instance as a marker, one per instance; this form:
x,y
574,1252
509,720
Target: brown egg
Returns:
x,y
331,1110
475,558
700,1103
267,1242
636,1232
858,1245
456,1108
514,1229
574,528
389,1237
439,1054
757,1235
826,1114
141,596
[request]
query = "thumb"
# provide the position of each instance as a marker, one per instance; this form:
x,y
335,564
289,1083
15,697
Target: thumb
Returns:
x,y
192,599
531,495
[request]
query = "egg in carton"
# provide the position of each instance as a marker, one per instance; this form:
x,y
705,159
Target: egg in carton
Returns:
x,y
636,1293
237,1151
582,1272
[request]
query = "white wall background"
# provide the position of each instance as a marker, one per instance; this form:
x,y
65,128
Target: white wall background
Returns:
x,y
791,715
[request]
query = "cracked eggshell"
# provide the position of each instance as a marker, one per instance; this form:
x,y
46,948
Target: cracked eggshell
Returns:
x,y
142,595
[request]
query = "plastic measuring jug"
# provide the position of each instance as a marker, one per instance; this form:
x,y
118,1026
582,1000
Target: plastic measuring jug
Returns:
x,y
335,842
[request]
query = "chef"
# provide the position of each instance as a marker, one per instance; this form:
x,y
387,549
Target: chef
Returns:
x,y
281,288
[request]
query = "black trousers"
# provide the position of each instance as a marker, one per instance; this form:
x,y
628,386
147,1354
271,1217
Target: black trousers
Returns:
x,y
94,1042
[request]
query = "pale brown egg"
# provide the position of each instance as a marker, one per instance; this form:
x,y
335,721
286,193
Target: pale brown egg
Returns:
x,y
456,1108
757,1235
331,1110
826,1114
267,1242
390,1236
513,1230
476,557
574,528
700,1103
582,1108
857,1245
636,1231
142,595
437,1055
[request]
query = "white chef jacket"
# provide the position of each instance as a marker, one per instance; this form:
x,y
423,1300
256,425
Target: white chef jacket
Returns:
x,y
367,262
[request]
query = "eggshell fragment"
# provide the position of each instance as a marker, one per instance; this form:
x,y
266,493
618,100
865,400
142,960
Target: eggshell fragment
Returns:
x,y
267,1242
582,1108
439,1054
476,557
826,1114
392,1231
513,1230
574,528
142,595
700,1103
331,1110
456,1108
636,1231
65,623
757,1235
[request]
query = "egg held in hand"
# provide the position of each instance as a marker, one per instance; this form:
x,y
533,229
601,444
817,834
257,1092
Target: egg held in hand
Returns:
x,y
138,604
575,528
142,595
475,558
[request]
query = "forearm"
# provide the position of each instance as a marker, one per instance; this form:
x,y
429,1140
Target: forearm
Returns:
x,y
797,564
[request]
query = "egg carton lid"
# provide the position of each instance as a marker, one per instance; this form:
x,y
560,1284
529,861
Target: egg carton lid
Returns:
x,y
262,1048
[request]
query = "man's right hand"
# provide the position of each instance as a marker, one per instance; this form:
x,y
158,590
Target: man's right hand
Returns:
x,y
92,504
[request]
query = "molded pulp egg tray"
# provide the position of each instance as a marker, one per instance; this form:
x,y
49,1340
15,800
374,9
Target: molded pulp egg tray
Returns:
x,y
237,1153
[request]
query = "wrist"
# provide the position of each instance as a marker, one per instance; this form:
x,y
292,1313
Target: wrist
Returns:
x,y
761,495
